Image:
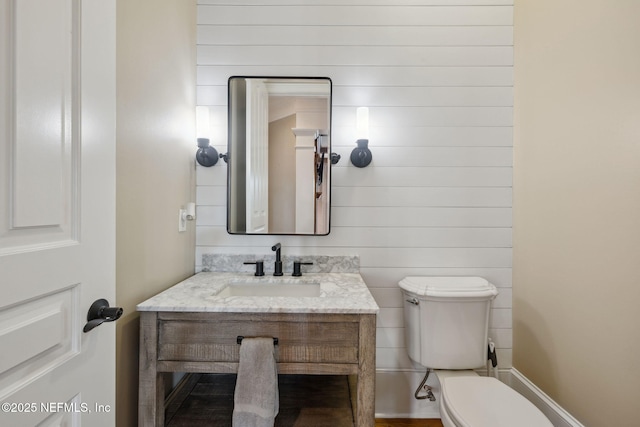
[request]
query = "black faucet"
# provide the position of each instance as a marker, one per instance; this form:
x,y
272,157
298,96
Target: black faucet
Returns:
x,y
277,268
259,267
297,272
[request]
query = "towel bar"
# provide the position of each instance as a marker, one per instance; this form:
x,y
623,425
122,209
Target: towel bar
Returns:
x,y
239,339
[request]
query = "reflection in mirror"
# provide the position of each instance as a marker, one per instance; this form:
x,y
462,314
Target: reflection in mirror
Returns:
x,y
279,155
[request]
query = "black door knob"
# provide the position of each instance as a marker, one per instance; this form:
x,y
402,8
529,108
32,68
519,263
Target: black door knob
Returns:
x,y
100,312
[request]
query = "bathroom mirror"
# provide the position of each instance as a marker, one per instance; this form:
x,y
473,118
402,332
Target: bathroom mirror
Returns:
x,y
279,150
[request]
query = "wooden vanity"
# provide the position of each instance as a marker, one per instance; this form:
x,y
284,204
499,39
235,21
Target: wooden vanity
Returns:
x,y
314,339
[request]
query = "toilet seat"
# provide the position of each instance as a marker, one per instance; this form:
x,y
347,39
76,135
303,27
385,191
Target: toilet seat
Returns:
x,y
472,401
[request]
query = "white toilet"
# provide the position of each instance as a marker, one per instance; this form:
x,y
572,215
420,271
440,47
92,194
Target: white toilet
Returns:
x,y
446,328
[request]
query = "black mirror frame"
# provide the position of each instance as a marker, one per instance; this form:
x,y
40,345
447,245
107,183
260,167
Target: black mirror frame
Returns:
x,y
229,156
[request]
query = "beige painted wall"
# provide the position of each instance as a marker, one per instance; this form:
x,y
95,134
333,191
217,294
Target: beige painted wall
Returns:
x,y
576,285
155,167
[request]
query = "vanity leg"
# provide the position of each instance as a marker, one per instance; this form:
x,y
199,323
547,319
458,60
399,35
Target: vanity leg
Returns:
x,y
151,388
365,411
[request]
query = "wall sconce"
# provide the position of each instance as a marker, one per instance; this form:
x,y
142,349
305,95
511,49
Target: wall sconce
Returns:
x,y
361,155
206,155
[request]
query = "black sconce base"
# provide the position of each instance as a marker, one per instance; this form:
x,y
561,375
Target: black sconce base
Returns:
x,y
206,155
361,155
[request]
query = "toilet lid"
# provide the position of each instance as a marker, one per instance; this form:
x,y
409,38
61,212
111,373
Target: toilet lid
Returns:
x,y
443,287
484,401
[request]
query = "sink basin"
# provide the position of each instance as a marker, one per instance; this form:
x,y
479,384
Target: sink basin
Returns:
x,y
270,290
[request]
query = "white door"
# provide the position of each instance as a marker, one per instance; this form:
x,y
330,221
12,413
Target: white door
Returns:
x,y
257,157
57,217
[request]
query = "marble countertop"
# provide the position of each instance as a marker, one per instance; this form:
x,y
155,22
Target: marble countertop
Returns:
x,y
339,293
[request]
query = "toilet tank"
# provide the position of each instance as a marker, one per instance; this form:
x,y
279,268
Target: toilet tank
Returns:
x,y
446,320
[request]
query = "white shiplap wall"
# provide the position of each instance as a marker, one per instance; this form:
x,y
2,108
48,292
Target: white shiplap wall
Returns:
x,y
437,78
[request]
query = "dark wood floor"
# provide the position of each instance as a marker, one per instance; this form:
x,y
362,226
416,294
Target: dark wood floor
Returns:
x,y
403,422
305,400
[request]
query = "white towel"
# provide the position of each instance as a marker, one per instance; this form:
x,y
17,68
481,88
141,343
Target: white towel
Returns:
x,y
256,396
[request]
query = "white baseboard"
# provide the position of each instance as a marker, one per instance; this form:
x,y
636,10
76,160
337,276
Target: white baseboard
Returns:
x,y
556,414
395,388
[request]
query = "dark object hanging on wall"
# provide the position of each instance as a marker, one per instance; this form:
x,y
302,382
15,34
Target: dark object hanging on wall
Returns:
x,y
206,155
361,155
